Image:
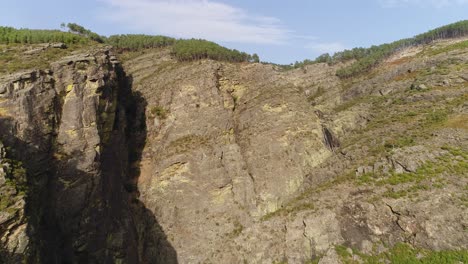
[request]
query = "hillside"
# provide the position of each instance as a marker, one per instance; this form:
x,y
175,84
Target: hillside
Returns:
x,y
143,155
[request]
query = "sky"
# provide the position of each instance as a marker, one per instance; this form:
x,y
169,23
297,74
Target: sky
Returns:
x,y
278,31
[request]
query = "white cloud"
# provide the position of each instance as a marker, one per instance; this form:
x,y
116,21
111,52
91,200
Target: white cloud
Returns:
x,y
205,19
321,48
430,3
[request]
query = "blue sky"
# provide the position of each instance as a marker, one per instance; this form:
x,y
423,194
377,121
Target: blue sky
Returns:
x,y
279,31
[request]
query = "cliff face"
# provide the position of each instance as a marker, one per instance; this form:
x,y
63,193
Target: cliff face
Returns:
x,y
68,126
245,162
226,145
158,161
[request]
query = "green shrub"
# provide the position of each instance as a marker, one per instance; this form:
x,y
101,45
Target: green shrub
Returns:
x,y
159,112
436,117
400,142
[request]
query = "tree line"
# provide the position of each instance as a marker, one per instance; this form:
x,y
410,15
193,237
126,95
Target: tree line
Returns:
x,y
197,49
9,35
368,58
139,41
182,49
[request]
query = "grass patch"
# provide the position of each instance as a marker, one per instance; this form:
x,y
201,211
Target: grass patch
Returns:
x,y
401,142
455,162
437,116
411,191
407,76
452,47
302,202
291,208
403,253
13,59
458,121
444,164
346,105
342,252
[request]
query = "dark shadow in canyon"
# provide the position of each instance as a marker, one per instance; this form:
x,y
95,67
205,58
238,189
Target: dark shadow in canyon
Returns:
x,y
154,246
77,216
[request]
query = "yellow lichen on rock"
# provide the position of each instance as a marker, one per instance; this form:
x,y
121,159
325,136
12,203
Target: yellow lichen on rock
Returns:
x,y
72,133
69,88
171,175
3,111
275,109
174,169
294,183
219,196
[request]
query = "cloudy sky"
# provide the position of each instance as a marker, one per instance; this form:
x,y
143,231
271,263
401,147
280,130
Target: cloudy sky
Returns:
x,y
279,31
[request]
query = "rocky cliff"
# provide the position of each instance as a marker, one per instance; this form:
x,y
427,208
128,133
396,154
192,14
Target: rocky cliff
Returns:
x,y
70,127
158,161
248,163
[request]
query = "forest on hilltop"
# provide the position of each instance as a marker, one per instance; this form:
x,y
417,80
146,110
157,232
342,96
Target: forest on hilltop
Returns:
x,y
182,49
368,58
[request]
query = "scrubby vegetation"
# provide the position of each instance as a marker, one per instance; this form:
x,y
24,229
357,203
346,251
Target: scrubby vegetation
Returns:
x,y
15,181
13,57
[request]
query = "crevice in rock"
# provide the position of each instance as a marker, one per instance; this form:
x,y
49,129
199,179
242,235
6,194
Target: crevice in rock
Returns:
x,y
402,165
219,74
330,140
397,215
243,156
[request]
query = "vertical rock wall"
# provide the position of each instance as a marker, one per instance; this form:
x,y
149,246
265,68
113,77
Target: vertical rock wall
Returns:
x,y
68,126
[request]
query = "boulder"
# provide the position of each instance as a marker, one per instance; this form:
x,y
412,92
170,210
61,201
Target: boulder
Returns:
x,y
58,45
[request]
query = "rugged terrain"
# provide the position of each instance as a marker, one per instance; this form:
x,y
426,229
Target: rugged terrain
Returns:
x,y
151,160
